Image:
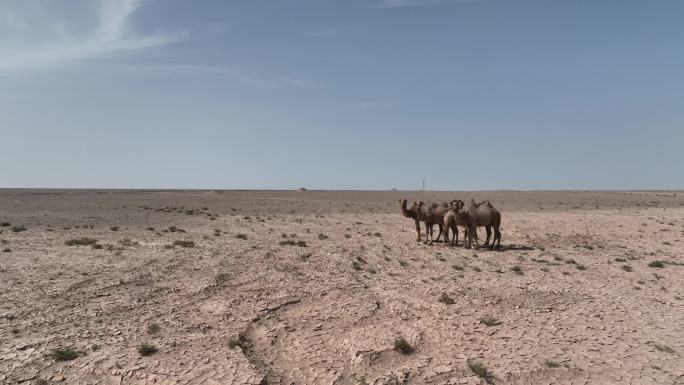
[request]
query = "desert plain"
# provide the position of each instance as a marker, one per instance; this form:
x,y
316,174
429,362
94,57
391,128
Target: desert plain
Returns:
x,y
331,287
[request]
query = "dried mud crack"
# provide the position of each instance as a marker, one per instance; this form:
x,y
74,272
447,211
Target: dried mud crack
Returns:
x,y
322,285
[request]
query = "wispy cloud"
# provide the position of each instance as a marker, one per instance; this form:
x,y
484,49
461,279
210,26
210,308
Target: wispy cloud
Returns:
x,y
417,3
104,31
249,77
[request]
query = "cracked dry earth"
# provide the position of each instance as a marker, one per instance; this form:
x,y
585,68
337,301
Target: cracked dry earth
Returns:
x,y
571,296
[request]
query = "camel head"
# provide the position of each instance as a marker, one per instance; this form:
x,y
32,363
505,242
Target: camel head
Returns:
x,y
456,204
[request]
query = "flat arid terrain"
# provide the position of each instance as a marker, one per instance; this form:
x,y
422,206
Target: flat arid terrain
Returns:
x,y
313,287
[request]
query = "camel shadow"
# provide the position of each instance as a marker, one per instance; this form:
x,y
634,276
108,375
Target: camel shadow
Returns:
x,y
514,248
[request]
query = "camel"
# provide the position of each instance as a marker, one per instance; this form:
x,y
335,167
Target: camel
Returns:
x,y
485,215
432,214
412,213
457,217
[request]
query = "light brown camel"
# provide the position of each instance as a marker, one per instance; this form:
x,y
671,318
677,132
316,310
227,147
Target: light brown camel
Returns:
x,y
411,212
432,214
485,215
455,217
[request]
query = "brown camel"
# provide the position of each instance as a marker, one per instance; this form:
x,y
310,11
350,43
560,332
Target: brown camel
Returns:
x,y
485,215
411,212
455,217
432,214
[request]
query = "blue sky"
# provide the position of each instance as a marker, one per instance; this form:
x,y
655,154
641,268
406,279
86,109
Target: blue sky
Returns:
x,y
355,94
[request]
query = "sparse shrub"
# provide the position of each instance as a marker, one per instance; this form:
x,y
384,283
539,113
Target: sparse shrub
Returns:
x,y
402,346
580,267
571,261
557,258
517,270
18,229
96,246
626,268
656,264
356,265
347,235
619,259
80,242
551,364
489,321
5,224
457,267
95,347
377,234
234,342
6,250
153,328
147,349
126,242
115,228
184,243
241,236
663,348
322,237
292,242
445,299
150,229
403,263
476,269
65,354
480,370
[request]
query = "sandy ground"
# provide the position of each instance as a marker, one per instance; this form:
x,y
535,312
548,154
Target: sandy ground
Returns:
x,y
571,296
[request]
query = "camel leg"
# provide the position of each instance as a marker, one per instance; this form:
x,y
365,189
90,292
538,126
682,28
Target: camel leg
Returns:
x,y
467,238
441,230
418,229
427,233
454,230
445,235
497,238
473,236
489,234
